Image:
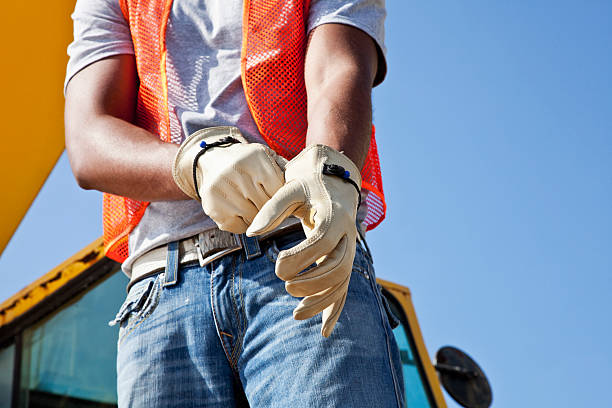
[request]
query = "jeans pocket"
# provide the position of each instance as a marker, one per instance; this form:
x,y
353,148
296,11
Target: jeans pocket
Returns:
x,y
138,305
393,320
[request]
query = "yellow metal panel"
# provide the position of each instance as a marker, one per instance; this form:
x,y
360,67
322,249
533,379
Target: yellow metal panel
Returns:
x,y
24,300
35,35
402,294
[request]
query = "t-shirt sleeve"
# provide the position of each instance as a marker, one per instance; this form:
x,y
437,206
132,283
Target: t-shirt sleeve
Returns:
x,y
366,15
100,31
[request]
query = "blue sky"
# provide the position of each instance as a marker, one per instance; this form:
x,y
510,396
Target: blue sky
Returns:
x,y
495,132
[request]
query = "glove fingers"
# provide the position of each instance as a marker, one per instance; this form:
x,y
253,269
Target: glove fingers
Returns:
x,y
315,304
224,200
236,224
229,216
314,249
244,188
331,314
282,204
326,274
242,202
257,195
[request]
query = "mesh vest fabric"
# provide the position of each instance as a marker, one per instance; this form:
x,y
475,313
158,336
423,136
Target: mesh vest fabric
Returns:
x,y
273,51
147,20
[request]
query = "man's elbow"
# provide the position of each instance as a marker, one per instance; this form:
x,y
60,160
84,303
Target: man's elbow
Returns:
x,y
84,182
81,171
80,160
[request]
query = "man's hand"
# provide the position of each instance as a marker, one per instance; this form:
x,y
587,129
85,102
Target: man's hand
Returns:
x,y
322,190
232,178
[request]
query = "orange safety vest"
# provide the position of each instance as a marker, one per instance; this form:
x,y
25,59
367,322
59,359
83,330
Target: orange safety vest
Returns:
x,y
272,62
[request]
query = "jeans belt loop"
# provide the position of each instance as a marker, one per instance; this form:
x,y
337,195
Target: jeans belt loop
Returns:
x,y
250,245
172,264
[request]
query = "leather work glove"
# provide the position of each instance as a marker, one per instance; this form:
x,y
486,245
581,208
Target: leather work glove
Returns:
x,y
231,177
322,189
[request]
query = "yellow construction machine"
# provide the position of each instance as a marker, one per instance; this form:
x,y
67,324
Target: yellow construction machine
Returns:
x,y
55,347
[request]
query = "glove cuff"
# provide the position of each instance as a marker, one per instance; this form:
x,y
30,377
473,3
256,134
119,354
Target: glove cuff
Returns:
x,y
317,157
190,151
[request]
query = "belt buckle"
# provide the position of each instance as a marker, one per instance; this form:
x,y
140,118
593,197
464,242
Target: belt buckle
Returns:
x,y
207,245
196,242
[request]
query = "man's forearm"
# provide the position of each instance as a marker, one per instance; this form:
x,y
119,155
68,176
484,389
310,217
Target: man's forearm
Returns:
x,y
340,68
106,151
342,118
119,158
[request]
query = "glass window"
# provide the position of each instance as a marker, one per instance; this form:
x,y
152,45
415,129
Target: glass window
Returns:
x,y
417,395
7,361
69,358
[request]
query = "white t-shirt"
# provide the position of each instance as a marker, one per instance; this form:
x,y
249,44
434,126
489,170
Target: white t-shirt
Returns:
x,y
203,41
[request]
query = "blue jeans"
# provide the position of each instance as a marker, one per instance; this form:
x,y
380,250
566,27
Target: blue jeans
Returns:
x,y
224,336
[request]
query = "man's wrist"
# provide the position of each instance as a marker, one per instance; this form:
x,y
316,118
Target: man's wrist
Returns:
x,y
184,169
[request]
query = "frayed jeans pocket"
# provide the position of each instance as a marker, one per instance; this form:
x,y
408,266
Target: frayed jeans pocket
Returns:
x,y
140,302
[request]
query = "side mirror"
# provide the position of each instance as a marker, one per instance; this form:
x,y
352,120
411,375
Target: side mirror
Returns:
x,y
462,378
